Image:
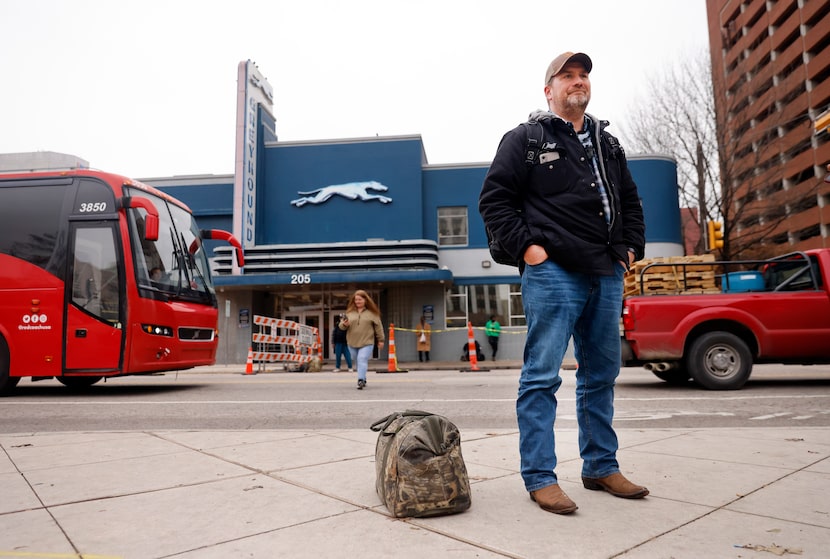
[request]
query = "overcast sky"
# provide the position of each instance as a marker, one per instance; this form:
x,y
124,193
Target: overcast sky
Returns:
x,y
148,89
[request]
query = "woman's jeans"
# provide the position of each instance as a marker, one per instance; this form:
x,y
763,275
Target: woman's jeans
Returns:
x,y
342,349
559,304
361,356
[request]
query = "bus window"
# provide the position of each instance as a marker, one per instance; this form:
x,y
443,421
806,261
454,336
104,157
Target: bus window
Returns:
x,y
95,276
31,225
175,264
195,263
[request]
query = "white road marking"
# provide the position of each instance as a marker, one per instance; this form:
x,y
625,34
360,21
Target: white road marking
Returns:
x,y
250,402
652,416
770,416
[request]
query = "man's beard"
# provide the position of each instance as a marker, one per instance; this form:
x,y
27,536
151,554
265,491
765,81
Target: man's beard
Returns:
x,y
577,100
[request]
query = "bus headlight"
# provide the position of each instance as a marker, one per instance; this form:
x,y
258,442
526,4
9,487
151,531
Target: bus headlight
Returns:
x,y
158,330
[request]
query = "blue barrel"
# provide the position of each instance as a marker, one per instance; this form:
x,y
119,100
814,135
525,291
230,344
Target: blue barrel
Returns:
x,y
739,282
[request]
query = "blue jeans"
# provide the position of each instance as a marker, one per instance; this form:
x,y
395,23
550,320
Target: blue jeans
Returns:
x,y
559,304
342,349
361,356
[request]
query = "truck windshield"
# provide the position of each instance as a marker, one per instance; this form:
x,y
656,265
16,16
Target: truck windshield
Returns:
x,y
176,264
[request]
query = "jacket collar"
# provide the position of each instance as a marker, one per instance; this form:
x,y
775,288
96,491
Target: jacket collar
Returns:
x,y
540,115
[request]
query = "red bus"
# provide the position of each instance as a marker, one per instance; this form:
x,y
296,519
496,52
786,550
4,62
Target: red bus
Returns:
x,y
101,276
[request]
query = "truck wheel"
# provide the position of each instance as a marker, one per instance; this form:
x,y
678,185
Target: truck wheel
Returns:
x,y
7,383
719,361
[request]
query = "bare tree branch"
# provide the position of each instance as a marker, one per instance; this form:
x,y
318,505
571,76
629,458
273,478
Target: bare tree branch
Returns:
x,y
731,175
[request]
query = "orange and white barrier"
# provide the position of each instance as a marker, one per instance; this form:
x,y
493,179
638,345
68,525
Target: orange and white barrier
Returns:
x,y
286,341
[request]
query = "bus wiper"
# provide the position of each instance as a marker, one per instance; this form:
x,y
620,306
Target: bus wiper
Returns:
x,y
196,270
178,257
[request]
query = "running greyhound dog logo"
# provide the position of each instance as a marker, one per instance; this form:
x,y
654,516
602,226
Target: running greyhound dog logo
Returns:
x,y
350,190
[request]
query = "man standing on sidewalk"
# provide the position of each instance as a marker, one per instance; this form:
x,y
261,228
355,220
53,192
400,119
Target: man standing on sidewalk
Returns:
x,y
560,198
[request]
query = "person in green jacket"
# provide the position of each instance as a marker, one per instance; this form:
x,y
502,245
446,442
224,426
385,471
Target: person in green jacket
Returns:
x,y
493,330
363,328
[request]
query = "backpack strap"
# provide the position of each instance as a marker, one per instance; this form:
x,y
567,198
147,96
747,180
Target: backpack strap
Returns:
x,y
532,148
383,423
533,145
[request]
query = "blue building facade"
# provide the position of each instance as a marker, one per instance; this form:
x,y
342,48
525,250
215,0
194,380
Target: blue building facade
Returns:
x,y
416,242
320,219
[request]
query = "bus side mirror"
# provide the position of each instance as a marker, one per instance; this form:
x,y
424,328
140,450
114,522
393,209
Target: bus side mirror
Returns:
x,y
220,235
151,227
151,221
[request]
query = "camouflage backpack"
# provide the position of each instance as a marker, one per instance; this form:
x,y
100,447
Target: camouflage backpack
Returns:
x,y
419,467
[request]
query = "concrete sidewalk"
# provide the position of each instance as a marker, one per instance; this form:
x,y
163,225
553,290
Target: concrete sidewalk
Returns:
x,y
719,493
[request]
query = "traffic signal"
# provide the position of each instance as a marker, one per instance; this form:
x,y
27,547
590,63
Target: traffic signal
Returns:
x,y
715,235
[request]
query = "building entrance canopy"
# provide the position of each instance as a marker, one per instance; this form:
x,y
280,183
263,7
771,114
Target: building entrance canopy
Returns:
x,y
358,277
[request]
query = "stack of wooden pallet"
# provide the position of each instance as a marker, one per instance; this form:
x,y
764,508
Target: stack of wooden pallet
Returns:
x,y
671,275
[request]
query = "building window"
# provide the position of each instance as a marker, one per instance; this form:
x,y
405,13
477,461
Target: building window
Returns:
x,y
457,306
476,303
452,226
517,310
488,300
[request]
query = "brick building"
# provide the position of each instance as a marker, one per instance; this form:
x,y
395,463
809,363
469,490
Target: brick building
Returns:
x,y
771,73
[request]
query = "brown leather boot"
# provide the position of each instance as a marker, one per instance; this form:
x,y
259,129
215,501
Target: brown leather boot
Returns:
x,y
553,499
617,485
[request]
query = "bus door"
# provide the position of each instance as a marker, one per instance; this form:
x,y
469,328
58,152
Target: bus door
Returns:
x,y
94,335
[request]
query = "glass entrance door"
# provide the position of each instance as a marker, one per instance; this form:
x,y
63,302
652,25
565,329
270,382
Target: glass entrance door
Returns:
x,y
309,318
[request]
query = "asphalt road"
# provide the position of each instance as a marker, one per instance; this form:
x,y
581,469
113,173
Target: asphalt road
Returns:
x,y
776,395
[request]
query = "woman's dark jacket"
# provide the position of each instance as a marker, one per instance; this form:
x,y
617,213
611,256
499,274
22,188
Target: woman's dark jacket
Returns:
x,y
555,200
338,336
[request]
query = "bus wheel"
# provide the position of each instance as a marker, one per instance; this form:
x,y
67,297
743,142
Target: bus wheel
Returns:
x,y
7,383
78,382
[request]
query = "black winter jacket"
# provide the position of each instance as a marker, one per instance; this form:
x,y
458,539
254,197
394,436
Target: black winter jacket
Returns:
x,y
338,336
555,201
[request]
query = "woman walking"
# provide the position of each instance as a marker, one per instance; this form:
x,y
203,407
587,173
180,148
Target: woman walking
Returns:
x,y
363,327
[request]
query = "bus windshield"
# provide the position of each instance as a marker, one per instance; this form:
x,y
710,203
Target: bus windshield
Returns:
x,y
176,265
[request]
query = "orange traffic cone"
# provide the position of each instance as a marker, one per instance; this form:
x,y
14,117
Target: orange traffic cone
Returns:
x,y
392,366
319,346
393,359
471,340
249,365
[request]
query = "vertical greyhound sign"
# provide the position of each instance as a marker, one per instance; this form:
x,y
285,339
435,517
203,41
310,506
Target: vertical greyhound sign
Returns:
x,y
252,91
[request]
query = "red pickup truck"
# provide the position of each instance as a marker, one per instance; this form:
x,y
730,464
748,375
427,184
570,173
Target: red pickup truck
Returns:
x,y
770,311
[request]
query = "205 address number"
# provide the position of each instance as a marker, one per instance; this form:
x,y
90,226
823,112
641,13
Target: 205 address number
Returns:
x,y
300,279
